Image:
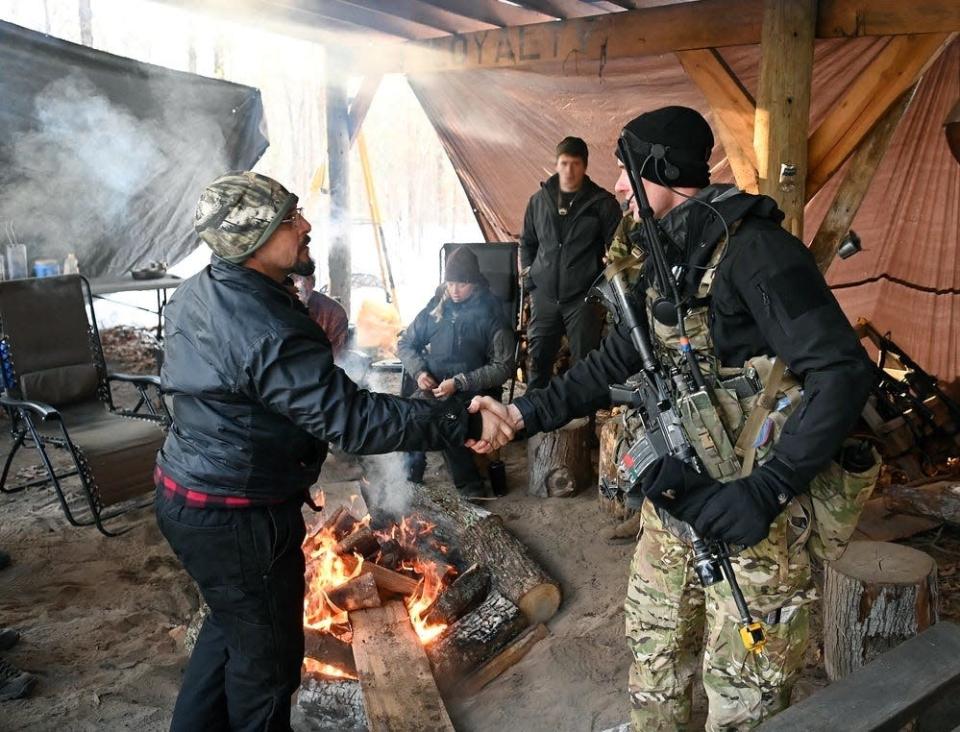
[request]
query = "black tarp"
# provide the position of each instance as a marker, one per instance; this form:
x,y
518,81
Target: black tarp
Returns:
x,y
105,156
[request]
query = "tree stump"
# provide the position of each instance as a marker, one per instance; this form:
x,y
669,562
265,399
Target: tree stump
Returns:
x,y
875,596
559,462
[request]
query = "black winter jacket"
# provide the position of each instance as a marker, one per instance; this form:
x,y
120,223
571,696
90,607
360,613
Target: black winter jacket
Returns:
x,y
255,394
470,342
768,298
563,269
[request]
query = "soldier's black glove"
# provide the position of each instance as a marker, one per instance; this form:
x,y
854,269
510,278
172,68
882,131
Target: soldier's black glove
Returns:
x,y
738,512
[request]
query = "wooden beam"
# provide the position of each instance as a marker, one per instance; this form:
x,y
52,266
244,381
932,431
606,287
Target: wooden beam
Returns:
x,y
645,31
361,104
895,69
425,14
493,12
733,108
371,18
702,24
783,105
399,693
857,180
847,18
561,9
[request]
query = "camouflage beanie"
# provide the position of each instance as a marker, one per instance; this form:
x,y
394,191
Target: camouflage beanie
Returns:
x,y
239,211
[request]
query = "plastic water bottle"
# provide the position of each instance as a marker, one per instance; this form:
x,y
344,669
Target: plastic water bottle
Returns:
x,y
70,264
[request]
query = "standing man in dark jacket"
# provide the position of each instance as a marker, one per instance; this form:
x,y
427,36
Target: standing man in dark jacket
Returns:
x,y
566,229
254,398
459,346
750,291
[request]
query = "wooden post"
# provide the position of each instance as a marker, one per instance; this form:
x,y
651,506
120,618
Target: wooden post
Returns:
x,y
338,164
399,693
86,23
875,596
860,171
783,105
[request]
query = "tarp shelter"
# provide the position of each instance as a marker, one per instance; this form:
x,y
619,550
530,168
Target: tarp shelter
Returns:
x,y
105,157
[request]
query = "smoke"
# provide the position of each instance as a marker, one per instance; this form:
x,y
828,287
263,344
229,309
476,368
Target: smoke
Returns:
x,y
76,180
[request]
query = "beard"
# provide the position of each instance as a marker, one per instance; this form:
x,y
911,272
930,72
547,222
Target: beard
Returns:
x,y
304,268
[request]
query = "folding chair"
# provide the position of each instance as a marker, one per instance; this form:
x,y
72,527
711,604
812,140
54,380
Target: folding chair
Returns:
x,y
500,264
56,390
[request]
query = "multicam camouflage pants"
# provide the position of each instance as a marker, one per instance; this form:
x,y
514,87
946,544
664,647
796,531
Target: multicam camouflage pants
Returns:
x,y
672,621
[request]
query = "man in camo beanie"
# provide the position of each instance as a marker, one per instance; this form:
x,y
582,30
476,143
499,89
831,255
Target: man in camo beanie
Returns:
x,y
239,211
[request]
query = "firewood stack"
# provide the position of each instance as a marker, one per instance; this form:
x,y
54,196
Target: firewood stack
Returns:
x,y
487,590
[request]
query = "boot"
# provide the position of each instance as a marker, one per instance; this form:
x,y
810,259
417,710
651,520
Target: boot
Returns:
x,y
8,638
4,559
626,532
14,683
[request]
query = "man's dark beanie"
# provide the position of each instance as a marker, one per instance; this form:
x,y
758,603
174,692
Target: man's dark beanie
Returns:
x,y
462,266
573,146
688,139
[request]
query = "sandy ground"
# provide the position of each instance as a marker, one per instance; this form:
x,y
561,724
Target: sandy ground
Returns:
x,y
102,619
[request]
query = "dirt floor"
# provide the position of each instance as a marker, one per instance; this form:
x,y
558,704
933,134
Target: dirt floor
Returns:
x,y
103,619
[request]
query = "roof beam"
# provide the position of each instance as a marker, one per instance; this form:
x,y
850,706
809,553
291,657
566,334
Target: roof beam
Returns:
x,y
492,12
895,69
425,14
360,104
664,29
561,9
856,182
365,17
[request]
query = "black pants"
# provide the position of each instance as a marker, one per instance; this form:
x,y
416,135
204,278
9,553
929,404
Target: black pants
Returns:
x,y
249,566
549,320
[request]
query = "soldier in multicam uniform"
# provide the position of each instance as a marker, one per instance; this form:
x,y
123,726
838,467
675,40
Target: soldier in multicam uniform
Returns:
x,y
783,481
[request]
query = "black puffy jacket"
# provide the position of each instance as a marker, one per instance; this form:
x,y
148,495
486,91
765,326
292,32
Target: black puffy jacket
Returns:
x,y
562,268
768,298
255,394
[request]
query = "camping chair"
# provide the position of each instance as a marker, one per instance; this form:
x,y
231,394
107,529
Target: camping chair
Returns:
x,y
499,263
56,390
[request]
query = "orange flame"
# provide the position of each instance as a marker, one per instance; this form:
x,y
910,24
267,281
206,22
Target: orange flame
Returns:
x,y
326,570
315,668
420,601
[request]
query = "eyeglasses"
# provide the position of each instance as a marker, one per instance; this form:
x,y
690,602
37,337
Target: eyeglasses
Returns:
x,y
296,218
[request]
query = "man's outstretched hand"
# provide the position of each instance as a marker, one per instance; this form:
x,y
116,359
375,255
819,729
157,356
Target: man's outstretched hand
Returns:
x,y
500,423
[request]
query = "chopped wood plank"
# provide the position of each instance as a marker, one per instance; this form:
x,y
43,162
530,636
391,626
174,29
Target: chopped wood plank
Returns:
x,y
386,579
355,594
399,693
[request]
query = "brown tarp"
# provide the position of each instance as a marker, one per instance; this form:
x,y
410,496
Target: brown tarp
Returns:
x,y
500,126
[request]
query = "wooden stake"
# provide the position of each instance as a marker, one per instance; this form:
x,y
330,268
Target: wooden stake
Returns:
x,y
783,105
399,693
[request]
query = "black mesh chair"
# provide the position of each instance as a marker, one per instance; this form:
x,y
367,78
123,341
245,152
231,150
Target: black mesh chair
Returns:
x,y
56,390
500,264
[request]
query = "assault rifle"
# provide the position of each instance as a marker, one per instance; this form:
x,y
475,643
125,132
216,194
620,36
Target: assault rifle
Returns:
x,y
655,391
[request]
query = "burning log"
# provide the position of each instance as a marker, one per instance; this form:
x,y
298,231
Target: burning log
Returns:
x,y
362,541
333,705
328,648
466,592
474,638
356,594
509,656
939,500
484,540
386,579
399,692
391,553
341,523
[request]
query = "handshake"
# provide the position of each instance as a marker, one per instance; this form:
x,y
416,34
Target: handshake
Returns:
x,y
500,423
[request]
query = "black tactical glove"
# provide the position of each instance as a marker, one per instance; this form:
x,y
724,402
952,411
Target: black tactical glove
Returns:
x,y
739,512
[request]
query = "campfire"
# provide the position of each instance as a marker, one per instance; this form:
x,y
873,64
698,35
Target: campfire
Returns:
x,y
342,550
401,608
